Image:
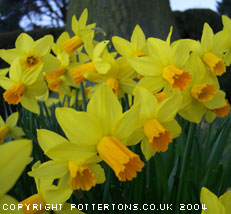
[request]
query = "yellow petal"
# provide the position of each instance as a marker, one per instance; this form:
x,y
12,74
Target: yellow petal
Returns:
x,y
101,66
24,43
76,126
210,116
83,18
122,46
147,149
43,45
207,38
98,172
225,199
12,120
168,108
9,55
217,102
30,103
50,170
15,72
99,48
14,158
138,39
153,84
127,124
105,106
174,128
211,202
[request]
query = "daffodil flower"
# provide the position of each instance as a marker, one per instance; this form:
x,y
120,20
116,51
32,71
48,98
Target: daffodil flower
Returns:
x,y
73,165
119,77
14,156
23,87
211,49
164,67
135,48
213,204
81,30
157,126
9,128
104,130
203,95
47,193
31,53
96,65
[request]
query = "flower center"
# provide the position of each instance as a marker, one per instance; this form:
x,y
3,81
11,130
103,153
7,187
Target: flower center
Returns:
x,y
203,92
4,130
72,44
114,84
77,74
124,162
222,112
35,204
158,136
216,64
177,78
31,60
81,176
14,93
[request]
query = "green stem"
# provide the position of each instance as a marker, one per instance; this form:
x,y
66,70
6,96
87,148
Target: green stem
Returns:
x,y
185,161
83,96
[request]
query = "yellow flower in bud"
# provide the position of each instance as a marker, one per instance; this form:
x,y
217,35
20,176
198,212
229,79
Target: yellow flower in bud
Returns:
x,y
124,162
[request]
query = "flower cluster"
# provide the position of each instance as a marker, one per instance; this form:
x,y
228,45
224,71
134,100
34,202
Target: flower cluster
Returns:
x,y
158,78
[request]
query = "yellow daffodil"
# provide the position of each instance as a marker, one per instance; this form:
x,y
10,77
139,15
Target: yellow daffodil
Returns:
x,y
135,48
72,164
97,64
31,53
104,130
23,87
9,128
119,77
157,126
227,28
164,67
211,49
81,30
47,193
14,156
203,95
214,205
3,72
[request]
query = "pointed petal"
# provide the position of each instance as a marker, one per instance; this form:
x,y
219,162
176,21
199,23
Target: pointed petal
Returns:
x,y
122,46
43,45
174,128
98,172
24,43
48,139
147,149
207,38
9,55
225,200
12,120
153,84
16,132
217,102
30,103
79,127
127,124
6,83
99,48
14,158
138,39
105,106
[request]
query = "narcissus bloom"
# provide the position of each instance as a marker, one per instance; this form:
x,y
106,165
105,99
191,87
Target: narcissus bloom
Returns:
x,y
47,193
23,87
9,128
213,204
157,126
97,64
211,49
31,53
73,165
164,67
104,130
203,95
14,156
119,77
135,48
81,30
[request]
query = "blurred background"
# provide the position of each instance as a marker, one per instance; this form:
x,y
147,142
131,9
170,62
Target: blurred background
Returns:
x,y
115,17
